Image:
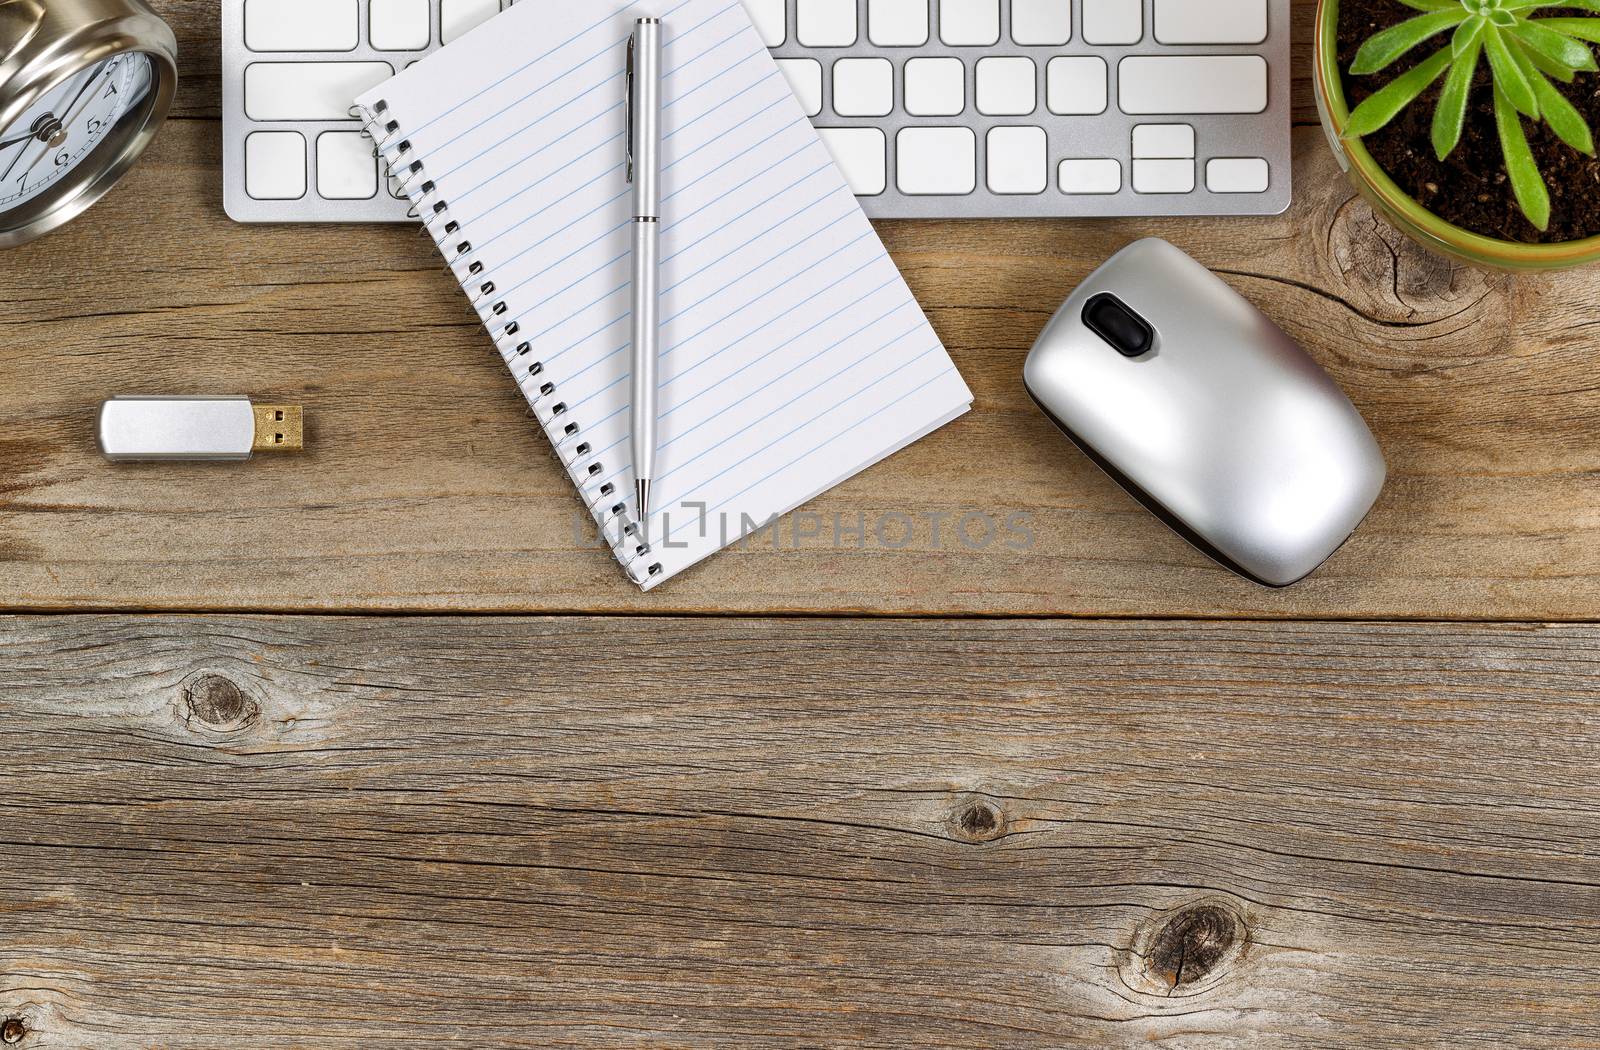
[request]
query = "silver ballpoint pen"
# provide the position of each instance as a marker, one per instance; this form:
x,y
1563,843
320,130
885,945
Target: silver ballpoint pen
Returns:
x,y
644,172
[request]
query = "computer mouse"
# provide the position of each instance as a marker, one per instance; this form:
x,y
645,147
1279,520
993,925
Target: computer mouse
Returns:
x,y
1207,413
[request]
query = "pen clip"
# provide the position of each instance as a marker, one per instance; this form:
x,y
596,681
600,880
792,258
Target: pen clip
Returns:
x,y
628,87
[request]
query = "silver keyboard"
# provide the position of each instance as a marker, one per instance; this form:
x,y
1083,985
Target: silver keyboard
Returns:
x,y
932,108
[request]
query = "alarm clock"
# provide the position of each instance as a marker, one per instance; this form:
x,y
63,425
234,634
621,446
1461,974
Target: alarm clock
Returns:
x,y
84,85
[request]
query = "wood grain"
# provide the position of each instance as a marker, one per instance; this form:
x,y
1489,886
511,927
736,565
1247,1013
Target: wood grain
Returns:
x,y
429,489
371,833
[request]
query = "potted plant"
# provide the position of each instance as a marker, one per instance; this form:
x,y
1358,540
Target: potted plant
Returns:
x,y
1467,122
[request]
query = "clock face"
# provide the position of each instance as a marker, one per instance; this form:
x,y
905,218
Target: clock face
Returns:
x,y
57,133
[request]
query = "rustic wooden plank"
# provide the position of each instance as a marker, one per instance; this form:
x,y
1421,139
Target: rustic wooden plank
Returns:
x,y
429,489
343,833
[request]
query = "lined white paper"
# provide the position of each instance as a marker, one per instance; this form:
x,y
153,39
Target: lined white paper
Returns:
x,y
793,355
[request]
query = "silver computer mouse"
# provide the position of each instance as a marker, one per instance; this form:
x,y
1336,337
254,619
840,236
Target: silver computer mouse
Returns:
x,y
1207,413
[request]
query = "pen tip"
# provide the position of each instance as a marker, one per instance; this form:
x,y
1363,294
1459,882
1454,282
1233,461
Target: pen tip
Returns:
x,y
644,499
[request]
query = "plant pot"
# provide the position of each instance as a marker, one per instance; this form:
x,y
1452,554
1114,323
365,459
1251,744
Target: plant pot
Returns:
x,y
1401,208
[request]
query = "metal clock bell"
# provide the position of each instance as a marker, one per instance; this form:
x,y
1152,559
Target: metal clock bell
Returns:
x,y
84,85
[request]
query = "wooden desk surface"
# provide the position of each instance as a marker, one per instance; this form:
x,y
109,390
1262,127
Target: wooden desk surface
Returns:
x,y
1078,794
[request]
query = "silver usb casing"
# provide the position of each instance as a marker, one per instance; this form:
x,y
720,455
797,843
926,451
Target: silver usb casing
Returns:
x,y
177,428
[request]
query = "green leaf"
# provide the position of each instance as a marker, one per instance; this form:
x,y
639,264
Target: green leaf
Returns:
x,y
1468,34
1562,73
1526,182
1384,104
1508,76
1555,46
1381,49
1444,5
1563,117
1581,28
1451,113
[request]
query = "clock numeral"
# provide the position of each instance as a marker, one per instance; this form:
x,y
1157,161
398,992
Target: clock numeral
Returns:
x,y
94,125
61,159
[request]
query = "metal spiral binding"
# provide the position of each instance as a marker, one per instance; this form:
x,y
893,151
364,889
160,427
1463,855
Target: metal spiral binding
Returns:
x,y
609,508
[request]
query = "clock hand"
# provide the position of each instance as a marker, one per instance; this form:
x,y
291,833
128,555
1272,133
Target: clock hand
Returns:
x,y
20,154
73,114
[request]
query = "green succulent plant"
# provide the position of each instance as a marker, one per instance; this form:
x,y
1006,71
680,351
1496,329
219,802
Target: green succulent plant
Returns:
x,y
1524,53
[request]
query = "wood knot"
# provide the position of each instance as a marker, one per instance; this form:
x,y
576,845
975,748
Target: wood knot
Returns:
x,y
1187,950
977,820
217,703
12,1030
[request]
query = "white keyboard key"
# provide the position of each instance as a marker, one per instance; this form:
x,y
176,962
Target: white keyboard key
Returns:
x,y
1163,176
1046,22
1237,175
825,23
275,165
346,168
1076,84
401,25
460,17
863,87
301,25
1016,160
935,87
936,160
1212,22
770,18
1090,175
1117,21
897,23
309,90
1192,84
805,80
1163,141
861,155
1007,86
969,23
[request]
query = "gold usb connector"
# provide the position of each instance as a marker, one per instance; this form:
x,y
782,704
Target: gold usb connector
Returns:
x,y
279,428
197,428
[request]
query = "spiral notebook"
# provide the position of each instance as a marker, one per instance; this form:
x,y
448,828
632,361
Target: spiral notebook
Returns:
x,y
793,355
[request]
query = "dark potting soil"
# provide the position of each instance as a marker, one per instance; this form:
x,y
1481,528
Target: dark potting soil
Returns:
x,y
1470,187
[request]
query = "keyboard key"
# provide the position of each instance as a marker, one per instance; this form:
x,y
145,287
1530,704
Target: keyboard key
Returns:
x,y
275,165
860,154
308,90
1117,21
1076,84
1163,141
1006,86
969,23
1213,22
770,18
1192,84
460,17
863,87
897,23
301,25
1237,175
936,160
1093,175
400,25
1016,160
1046,22
805,80
1163,176
346,168
935,87
825,23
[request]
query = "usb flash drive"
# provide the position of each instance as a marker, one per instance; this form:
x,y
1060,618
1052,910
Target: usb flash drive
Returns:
x,y
197,428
